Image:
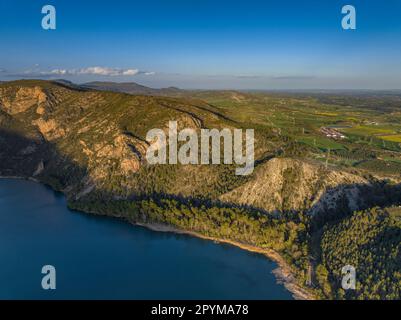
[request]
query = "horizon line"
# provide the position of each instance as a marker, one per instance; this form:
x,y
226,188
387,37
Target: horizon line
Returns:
x,y
211,89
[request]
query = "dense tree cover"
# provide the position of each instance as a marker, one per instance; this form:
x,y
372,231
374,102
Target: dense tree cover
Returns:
x,y
371,242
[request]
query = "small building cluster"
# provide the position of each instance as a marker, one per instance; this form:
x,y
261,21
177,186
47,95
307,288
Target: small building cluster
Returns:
x,y
332,133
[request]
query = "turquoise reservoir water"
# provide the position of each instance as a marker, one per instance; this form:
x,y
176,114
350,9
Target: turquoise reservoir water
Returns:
x,y
104,258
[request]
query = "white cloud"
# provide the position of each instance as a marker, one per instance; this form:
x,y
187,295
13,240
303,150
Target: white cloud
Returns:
x,y
59,71
99,71
130,72
103,71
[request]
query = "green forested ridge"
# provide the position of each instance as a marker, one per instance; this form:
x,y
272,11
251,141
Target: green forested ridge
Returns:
x,y
304,198
371,242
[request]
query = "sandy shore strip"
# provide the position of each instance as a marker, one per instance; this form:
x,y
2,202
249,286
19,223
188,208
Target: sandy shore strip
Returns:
x,y
283,273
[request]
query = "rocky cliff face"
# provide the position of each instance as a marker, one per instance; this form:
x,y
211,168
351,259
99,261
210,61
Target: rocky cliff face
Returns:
x,y
283,184
21,99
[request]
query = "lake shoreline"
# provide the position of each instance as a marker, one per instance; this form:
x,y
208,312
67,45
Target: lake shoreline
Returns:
x,y
283,272
22,178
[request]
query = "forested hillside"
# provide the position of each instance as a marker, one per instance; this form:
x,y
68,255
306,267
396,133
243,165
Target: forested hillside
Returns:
x,y
370,241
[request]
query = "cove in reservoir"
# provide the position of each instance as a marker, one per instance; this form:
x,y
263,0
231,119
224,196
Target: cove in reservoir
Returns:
x,y
105,258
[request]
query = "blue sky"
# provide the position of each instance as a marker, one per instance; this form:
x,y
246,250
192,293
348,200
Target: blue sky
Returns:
x,y
206,44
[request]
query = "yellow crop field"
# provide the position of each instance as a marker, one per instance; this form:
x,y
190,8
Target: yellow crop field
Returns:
x,y
392,138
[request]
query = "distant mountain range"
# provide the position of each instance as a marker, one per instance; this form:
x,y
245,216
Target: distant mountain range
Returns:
x,y
130,87
124,87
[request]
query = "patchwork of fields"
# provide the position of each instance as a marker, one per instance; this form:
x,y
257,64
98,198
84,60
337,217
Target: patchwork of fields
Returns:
x,y
371,125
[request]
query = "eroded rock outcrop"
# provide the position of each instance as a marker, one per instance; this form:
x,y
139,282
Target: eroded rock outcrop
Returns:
x,y
23,99
50,129
288,184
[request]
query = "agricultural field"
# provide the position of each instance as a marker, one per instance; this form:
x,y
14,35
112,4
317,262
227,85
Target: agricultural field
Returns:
x,y
392,138
371,125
